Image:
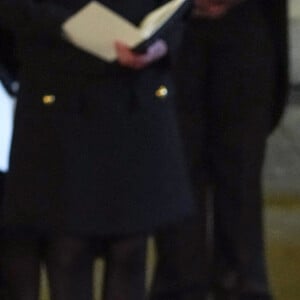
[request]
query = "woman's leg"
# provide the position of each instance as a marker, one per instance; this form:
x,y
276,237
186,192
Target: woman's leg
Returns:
x,y
21,267
69,263
125,269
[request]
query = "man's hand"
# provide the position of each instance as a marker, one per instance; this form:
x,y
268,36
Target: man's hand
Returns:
x,y
128,58
213,9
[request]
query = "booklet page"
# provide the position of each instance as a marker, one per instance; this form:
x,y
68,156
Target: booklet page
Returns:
x,y
95,28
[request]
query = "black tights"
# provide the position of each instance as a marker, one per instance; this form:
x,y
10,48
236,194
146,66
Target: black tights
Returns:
x,y
69,263
125,270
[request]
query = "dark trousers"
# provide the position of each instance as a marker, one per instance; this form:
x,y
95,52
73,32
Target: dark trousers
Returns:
x,y
3,294
225,83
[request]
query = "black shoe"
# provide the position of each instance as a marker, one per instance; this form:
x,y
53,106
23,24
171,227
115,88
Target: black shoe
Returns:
x,y
3,294
224,294
191,294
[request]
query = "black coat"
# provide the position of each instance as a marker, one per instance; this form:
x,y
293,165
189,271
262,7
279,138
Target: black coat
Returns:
x,y
95,150
275,12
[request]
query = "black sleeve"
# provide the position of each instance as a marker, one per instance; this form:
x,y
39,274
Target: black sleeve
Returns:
x,y
31,15
8,80
276,15
8,60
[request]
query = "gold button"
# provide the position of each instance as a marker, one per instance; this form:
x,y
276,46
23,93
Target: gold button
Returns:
x,y
48,99
161,92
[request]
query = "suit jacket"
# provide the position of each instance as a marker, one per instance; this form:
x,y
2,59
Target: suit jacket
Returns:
x,y
274,14
95,148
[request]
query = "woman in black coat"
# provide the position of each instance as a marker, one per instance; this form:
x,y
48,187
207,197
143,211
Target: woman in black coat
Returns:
x,y
95,153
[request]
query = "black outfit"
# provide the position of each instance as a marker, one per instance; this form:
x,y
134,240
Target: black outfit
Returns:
x,y
232,79
95,154
109,144
8,76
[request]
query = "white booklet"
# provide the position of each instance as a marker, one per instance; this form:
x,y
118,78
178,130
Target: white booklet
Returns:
x,y
95,28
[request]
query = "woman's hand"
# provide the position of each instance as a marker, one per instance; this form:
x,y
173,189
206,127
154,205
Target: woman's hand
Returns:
x,y
128,58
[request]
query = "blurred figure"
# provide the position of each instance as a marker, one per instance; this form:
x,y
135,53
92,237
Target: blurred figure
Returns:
x,y
232,80
8,88
96,156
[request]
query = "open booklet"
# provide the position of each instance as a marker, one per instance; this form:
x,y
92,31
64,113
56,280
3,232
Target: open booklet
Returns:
x,y
95,27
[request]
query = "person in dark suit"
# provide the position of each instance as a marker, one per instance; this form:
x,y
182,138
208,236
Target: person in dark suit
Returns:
x,y
8,79
232,80
95,155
